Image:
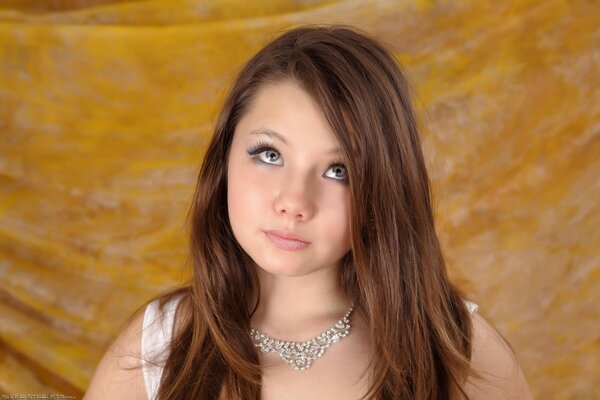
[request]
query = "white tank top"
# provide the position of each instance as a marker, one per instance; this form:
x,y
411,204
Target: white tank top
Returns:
x,y
156,336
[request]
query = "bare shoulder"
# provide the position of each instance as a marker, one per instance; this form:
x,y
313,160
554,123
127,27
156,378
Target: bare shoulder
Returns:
x,y
493,358
119,374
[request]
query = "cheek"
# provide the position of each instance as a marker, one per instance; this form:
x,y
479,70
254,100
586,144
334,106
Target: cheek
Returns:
x,y
245,192
338,219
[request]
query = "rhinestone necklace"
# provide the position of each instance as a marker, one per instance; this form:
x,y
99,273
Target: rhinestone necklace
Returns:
x,y
301,354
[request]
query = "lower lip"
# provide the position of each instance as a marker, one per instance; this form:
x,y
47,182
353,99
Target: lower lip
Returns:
x,y
286,244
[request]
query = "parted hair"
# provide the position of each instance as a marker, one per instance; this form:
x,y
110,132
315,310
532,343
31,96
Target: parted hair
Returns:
x,y
420,327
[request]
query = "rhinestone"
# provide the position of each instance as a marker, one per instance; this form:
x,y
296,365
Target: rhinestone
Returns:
x,y
301,354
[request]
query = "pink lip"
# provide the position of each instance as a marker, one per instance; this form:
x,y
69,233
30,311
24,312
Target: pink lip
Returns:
x,y
288,242
286,235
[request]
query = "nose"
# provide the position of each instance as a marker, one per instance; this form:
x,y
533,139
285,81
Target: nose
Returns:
x,y
295,201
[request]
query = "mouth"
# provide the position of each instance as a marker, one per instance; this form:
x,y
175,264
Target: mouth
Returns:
x,y
288,235
286,243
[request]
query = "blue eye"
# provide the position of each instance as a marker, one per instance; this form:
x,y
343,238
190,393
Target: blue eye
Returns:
x,y
273,154
260,148
337,165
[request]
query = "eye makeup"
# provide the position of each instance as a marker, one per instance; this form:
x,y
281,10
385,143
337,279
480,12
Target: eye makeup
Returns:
x,y
260,147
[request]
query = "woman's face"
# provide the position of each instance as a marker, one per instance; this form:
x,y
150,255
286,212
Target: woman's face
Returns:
x,y
288,181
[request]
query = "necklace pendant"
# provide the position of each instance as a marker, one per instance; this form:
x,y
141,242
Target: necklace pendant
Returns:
x,y
300,355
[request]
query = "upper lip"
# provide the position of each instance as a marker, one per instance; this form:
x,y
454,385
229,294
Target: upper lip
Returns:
x,y
287,235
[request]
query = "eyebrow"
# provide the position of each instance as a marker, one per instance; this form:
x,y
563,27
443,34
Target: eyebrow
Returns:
x,y
274,135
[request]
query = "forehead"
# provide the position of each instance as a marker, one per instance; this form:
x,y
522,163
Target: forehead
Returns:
x,y
285,112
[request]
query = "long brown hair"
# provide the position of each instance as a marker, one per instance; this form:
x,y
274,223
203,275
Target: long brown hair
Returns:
x,y
395,272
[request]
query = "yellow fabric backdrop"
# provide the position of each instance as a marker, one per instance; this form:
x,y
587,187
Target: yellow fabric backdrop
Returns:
x,y
106,108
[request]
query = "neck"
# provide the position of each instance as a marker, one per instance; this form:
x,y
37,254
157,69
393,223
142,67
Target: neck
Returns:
x,y
296,308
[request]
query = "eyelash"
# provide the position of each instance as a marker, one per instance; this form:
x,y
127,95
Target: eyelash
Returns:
x,y
262,146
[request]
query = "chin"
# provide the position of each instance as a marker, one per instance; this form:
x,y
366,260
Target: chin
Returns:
x,y
283,269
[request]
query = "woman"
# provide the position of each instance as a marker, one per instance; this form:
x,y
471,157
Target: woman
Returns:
x,y
317,271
